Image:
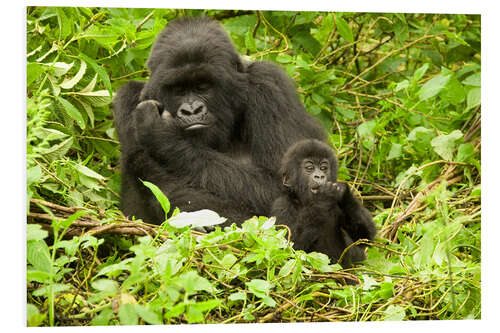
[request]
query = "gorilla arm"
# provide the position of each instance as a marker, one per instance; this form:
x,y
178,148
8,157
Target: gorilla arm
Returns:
x,y
162,146
358,221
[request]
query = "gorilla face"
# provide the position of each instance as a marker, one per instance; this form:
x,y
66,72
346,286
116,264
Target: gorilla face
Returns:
x,y
200,81
188,101
315,173
308,167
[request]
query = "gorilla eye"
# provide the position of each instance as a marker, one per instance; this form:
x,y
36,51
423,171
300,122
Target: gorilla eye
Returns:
x,y
201,87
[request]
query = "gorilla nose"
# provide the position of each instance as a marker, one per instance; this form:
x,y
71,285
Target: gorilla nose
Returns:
x,y
319,178
191,109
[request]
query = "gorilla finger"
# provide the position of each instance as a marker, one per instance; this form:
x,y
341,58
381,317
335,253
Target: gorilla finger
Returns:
x,y
150,105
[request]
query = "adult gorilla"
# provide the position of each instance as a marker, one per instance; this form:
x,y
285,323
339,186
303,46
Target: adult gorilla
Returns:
x,y
207,128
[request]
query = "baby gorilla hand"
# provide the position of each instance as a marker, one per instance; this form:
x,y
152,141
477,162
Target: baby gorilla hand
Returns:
x,y
333,190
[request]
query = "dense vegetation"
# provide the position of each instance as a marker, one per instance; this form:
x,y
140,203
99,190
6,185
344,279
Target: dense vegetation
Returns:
x,y
400,95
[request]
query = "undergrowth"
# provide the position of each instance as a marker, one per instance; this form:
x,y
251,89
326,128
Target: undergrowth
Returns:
x,y
400,97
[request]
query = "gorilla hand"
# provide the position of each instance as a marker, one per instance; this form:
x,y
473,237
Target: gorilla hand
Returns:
x,y
333,190
150,116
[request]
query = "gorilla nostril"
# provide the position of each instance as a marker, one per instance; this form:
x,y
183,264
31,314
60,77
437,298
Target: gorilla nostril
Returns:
x,y
199,109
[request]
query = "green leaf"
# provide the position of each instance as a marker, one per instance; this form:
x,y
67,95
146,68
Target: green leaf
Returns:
x,y
34,71
58,151
454,92
284,58
192,283
433,87
38,255
103,75
33,316
287,268
238,296
55,288
344,29
473,80
35,232
465,152
64,23
396,151
473,98
445,144
103,318
250,41
162,199
128,315
72,111
194,315
394,312
476,192
106,285
148,315
88,172
97,98
70,83
260,288
419,73
386,290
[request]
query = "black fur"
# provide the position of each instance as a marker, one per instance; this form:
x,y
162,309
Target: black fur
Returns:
x,y
207,128
322,214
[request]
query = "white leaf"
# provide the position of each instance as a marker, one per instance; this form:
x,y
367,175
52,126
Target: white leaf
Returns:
x,y
199,218
70,83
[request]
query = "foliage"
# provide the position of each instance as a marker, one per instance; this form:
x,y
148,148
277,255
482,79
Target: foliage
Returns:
x,y
400,95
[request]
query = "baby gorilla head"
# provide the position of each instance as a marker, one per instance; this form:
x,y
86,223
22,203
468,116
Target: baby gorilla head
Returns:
x,y
309,169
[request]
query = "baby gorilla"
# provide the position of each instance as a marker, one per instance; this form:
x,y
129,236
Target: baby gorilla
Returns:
x,y
322,214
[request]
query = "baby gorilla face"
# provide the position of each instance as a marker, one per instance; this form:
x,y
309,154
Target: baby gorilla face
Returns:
x,y
315,173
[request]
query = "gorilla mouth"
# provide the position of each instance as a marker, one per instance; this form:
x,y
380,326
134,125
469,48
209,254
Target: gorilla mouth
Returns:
x,y
197,126
315,189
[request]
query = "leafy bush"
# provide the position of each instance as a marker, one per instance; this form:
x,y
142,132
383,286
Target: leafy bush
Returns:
x,y
400,95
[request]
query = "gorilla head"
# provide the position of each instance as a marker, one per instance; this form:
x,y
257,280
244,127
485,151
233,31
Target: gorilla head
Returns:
x,y
307,166
200,81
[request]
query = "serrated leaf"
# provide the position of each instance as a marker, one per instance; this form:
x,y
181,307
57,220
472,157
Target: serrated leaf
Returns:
x,y
72,111
88,109
55,288
90,86
103,75
96,98
58,151
35,232
344,29
60,68
70,83
38,255
88,172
